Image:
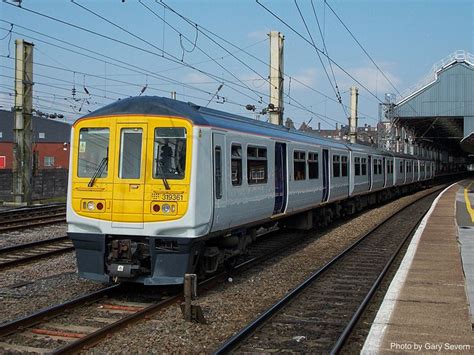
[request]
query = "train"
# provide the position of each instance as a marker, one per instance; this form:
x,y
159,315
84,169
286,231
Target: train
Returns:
x,y
159,188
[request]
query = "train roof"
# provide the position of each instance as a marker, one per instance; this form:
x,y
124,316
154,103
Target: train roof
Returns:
x,y
162,106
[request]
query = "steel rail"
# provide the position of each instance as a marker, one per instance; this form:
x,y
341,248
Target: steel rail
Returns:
x,y
39,316
29,247
244,333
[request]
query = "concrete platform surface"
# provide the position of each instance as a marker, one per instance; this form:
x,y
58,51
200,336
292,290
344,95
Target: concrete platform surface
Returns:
x,y
426,309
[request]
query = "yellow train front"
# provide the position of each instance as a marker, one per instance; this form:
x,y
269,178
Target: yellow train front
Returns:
x,y
129,193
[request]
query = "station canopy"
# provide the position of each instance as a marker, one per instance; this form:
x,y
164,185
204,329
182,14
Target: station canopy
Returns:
x,y
440,109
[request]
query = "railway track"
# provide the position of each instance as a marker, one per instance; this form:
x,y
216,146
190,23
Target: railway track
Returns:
x,y
319,314
23,253
83,322
20,218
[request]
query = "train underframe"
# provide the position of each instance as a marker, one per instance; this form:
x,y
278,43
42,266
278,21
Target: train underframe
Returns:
x,y
164,261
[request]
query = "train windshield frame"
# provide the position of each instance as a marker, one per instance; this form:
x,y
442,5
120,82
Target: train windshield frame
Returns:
x,y
93,150
169,153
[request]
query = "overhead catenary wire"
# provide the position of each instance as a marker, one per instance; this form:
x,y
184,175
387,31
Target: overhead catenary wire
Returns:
x,y
240,49
169,56
172,56
318,49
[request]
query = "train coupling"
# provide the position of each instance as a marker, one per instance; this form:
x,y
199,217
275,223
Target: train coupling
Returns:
x,y
127,259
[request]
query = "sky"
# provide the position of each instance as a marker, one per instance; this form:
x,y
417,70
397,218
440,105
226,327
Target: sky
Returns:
x,y
123,48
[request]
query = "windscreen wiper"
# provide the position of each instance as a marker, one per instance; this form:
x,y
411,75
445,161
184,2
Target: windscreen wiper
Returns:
x,y
163,177
98,171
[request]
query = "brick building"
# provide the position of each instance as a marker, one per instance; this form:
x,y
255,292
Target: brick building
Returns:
x,y
50,142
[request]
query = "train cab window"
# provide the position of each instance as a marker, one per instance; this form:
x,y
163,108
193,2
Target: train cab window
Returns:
x,y
236,164
299,165
357,166
343,165
256,165
130,153
93,152
336,166
364,166
218,171
313,165
169,154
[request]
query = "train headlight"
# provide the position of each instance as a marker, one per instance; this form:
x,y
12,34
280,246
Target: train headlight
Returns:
x,y
91,206
166,208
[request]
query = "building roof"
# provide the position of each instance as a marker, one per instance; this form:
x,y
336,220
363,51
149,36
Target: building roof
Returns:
x,y
44,130
441,109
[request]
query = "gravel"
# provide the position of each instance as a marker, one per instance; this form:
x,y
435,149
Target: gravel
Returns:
x,y
43,283
23,236
234,304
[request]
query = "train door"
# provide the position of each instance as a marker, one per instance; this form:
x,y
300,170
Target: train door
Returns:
x,y
280,178
384,171
369,171
129,180
325,175
219,174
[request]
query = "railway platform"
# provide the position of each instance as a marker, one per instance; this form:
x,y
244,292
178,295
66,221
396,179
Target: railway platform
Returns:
x,y
429,306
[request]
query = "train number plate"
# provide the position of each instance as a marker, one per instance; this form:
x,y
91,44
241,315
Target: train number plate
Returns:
x,y
169,197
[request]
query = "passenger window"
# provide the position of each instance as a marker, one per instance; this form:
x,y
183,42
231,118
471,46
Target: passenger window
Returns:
x,y
401,166
364,166
313,166
356,166
336,166
218,171
299,165
130,153
376,166
256,165
236,164
343,165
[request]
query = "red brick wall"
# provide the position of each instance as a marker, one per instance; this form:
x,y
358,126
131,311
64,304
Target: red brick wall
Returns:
x,y
6,150
59,151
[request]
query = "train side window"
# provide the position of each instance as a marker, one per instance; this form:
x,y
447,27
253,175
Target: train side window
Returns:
x,y
218,171
336,166
356,166
256,165
401,166
299,165
343,165
380,166
313,165
236,164
376,164
364,166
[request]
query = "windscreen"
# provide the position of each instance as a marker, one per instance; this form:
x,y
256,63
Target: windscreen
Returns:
x,y
93,149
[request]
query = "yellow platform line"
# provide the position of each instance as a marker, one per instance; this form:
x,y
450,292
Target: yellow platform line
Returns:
x,y
468,202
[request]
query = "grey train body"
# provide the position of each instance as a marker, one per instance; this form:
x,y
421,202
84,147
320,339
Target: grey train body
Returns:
x,y
245,174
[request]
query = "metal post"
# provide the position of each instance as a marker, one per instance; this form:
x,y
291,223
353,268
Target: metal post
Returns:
x,y
353,118
173,95
275,108
190,285
22,129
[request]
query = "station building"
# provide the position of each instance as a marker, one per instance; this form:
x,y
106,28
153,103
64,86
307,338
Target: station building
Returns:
x,y
435,118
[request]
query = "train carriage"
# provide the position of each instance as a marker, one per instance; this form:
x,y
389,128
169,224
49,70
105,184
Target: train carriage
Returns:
x,y
160,188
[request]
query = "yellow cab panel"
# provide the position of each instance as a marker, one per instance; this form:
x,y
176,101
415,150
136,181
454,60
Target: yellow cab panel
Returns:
x,y
131,168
